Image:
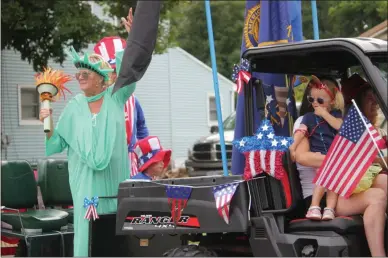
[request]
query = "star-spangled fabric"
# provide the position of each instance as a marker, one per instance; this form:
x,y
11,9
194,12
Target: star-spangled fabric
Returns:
x,y
223,195
263,153
177,199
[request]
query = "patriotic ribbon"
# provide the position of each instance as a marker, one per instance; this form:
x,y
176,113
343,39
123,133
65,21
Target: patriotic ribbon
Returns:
x,y
91,205
241,74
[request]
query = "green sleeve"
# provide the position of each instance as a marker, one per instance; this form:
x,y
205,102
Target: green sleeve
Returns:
x,y
56,144
122,95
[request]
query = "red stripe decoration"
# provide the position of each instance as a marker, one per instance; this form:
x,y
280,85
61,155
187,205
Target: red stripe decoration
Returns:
x,y
129,109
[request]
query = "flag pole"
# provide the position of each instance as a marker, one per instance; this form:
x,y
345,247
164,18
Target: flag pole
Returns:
x,y
216,90
315,19
370,134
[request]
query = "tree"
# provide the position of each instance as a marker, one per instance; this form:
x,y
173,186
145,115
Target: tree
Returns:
x,y
343,18
41,30
191,31
166,34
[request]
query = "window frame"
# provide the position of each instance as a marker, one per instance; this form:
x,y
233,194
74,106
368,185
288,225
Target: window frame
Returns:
x,y
24,121
212,95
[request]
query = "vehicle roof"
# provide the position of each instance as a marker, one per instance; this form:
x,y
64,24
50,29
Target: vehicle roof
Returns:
x,y
364,44
319,57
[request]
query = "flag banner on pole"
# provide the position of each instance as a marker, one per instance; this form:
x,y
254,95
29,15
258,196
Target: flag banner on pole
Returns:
x,y
266,23
349,156
263,154
223,195
177,199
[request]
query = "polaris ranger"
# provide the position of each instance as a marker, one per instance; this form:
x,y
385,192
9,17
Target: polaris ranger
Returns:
x,y
260,223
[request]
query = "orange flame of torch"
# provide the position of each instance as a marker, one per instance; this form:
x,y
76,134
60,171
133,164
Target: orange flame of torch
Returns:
x,y
56,78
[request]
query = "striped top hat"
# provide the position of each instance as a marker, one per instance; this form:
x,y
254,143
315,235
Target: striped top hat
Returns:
x,y
107,48
149,151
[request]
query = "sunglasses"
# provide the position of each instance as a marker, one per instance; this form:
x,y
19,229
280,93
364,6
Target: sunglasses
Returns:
x,y
319,100
84,74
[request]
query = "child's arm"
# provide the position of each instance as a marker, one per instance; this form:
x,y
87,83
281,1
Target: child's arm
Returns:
x,y
333,121
298,137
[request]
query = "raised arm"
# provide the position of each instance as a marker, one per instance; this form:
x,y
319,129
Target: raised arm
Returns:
x,y
140,44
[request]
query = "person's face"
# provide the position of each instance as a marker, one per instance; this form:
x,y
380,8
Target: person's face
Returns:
x,y
89,82
156,169
319,98
369,105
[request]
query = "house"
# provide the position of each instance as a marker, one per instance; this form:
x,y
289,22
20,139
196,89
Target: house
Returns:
x,y
176,94
379,31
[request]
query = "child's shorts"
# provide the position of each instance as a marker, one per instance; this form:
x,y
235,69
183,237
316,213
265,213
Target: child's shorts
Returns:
x,y
367,180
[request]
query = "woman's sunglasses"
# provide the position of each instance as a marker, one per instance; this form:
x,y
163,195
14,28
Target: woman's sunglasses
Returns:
x,y
84,74
319,100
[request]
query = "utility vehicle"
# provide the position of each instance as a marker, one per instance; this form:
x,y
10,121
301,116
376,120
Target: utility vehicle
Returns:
x,y
260,223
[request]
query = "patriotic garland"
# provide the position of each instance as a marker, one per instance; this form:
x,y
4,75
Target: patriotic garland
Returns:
x,y
91,205
241,74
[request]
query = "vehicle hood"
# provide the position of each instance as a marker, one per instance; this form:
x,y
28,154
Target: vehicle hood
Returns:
x,y
214,138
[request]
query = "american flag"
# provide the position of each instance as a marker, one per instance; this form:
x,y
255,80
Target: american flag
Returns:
x,y
177,199
349,156
223,195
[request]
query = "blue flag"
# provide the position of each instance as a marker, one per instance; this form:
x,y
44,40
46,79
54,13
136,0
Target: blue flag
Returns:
x,y
267,23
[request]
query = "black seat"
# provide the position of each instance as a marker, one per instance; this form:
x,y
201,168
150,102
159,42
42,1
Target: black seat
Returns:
x,y
341,225
53,180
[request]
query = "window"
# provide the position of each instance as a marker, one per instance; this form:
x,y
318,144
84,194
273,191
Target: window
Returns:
x,y
212,109
28,105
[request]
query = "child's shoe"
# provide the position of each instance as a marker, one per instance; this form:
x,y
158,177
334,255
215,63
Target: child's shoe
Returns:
x,y
328,214
314,213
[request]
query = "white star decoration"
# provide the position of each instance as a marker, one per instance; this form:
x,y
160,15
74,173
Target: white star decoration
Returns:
x,y
269,98
263,139
149,155
288,101
270,135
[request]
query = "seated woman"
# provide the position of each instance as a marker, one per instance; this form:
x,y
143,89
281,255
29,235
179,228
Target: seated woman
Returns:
x,y
372,203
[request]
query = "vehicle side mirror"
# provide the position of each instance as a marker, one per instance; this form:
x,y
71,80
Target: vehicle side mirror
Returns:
x,y
214,129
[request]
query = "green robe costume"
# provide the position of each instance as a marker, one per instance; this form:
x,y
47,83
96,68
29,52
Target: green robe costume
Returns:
x,y
97,151
97,155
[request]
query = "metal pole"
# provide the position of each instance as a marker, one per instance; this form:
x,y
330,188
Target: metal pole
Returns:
x,y
315,19
216,90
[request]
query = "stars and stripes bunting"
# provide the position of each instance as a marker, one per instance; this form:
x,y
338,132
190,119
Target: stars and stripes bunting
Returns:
x,y
223,195
177,199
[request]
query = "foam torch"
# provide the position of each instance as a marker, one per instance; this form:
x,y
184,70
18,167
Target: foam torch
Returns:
x,y
51,86
241,74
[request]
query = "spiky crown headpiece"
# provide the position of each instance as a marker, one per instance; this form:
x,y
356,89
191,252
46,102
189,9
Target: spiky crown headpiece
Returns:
x,y
85,63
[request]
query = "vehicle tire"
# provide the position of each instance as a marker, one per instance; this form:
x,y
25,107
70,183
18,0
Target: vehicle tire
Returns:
x,y
190,251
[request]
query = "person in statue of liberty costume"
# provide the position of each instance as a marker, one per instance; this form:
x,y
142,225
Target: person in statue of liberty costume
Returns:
x,y
91,127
